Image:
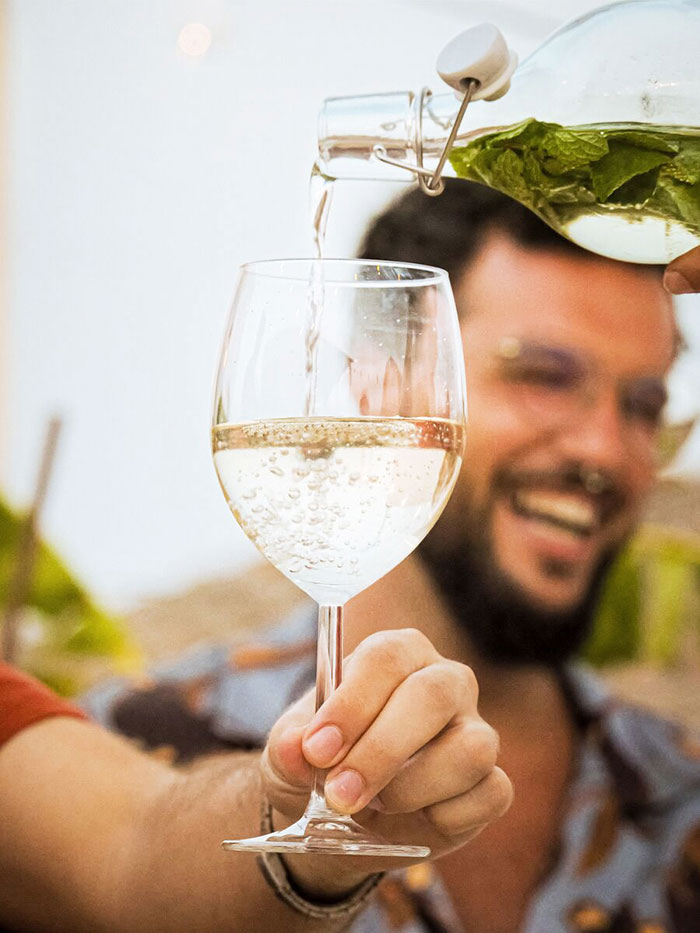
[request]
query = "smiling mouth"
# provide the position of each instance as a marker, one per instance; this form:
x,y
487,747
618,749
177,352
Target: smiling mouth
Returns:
x,y
573,513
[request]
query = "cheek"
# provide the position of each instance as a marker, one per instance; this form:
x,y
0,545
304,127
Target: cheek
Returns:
x,y
495,435
638,482
641,482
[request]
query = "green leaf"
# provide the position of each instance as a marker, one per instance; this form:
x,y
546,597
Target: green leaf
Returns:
x,y
572,193
507,174
63,684
462,157
686,165
616,636
97,634
571,148
619,165
533,173
70,627
671,439
685,200
476,165
667,579
637,191
647,607
559,171
522,133
645,139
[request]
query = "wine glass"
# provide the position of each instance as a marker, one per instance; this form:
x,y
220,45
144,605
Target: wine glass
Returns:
x,y
338,434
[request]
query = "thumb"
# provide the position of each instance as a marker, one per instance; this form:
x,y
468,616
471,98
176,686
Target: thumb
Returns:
x,y
286,774
683,274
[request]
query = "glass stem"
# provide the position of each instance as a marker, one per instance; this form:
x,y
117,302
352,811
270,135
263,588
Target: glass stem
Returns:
x,y
329,673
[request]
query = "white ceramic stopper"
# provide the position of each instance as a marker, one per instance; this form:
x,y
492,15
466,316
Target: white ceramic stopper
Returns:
x,y
480,53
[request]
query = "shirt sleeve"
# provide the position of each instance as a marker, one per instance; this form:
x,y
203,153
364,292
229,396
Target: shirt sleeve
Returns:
x,y
24,701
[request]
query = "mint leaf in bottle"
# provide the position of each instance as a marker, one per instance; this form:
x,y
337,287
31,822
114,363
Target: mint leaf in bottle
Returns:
x,y
620,164
628,191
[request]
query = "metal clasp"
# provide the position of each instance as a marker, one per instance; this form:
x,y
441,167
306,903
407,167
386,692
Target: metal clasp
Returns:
x,y
431,183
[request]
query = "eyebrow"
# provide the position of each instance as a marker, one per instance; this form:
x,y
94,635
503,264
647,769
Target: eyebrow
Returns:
x,y
512,349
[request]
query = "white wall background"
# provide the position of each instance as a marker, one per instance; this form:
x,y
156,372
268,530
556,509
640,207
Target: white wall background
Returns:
x,y
139,179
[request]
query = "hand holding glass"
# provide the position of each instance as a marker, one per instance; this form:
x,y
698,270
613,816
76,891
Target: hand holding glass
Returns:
x,y
338,435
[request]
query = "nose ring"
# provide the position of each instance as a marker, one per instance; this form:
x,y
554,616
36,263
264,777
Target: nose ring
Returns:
x,y
594,482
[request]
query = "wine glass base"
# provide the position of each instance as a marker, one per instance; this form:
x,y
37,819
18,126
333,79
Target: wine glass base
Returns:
x,y
336,835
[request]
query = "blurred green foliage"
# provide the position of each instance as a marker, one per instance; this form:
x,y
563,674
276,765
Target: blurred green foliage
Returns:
x,y
650,606
63,638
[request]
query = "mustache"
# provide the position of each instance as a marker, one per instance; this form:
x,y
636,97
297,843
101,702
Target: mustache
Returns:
x,y
600,487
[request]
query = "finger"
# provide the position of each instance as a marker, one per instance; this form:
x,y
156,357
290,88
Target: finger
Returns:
x,y
283,763
372,673
424,366
391,389
683,274
285,760
452,764
420,708
481,805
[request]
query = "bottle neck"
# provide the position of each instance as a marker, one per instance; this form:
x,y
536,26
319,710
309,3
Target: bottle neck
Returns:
x,y
404,124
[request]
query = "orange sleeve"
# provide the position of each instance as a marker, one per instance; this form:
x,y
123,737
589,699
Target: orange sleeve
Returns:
x,y
24,701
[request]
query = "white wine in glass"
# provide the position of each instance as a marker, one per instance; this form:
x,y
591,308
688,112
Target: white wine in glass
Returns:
x,y
338,434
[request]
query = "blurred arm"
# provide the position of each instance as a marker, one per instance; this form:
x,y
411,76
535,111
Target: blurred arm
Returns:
x,y
96,836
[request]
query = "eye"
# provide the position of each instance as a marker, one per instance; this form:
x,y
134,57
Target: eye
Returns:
x,y
644,401
544,367
544,376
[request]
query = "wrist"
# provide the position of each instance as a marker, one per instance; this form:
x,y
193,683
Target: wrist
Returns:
x,y
319,877
320,881
309,888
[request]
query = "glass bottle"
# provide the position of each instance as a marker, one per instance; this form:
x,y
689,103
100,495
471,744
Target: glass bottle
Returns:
x,y
619,174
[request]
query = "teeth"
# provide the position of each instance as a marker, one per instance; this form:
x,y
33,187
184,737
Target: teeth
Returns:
x,y
571,510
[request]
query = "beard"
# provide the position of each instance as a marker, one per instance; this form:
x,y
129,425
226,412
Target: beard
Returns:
x,y
502,622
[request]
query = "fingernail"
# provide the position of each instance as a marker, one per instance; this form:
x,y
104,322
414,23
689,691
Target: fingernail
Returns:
x,y
323,745
345,788
676,283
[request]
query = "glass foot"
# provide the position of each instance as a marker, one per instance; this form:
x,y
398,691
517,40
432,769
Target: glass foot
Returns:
x,y
331,834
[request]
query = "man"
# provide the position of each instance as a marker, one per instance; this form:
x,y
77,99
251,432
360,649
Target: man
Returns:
x,y
566,360
567,355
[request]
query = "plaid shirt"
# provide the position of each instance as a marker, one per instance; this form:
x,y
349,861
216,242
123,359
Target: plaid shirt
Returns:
x,y
628,859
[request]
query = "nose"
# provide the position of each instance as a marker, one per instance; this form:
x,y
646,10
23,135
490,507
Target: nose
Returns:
x,y
600,438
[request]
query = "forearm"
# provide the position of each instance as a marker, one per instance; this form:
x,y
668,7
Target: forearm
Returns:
x,y
95,836
220,798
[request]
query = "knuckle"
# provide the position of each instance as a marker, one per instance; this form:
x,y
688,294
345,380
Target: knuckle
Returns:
x,y
466,686
465,678
392,650
381,648
472,752
416,639
273,771
439,817
470,682
437,689
473,810
502,792
377,760
481,748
